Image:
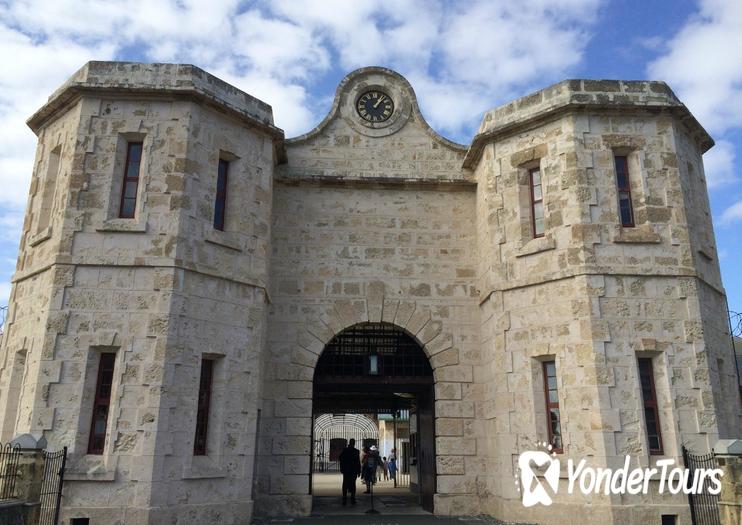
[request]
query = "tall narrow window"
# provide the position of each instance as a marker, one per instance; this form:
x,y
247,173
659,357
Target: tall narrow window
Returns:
x,y
651,414
623,185
48,189
537,202
204,400
131,180
102,403
552,406
220,204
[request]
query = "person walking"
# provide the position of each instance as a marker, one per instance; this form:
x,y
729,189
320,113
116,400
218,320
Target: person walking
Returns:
x,y
384,468
371,463
392,465
350,467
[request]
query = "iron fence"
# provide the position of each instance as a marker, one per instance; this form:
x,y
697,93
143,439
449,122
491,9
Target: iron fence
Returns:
x,y
9,459
704,506
51,486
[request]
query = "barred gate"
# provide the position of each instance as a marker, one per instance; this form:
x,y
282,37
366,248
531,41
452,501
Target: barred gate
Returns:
x,y
704,506
9,457
51,487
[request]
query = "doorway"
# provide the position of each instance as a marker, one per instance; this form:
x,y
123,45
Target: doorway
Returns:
x,y
373,383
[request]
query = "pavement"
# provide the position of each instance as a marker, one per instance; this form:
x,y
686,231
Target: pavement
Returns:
x,y
396,506
383,519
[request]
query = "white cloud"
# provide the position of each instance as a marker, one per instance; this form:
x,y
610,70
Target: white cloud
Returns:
x,y
703,64
462,58
732,214
4,295
719,164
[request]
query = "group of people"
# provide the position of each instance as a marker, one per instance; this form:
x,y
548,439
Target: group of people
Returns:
x,y
353,465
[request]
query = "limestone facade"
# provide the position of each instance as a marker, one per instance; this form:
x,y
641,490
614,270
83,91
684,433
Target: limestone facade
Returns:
x,y
354,222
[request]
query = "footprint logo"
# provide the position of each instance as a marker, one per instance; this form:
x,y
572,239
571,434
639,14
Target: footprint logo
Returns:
x,y
533,490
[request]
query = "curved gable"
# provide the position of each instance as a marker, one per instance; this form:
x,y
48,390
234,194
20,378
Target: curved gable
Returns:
x,y
345,147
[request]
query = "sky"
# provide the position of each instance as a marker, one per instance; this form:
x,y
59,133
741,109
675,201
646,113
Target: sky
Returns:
x,y
461,57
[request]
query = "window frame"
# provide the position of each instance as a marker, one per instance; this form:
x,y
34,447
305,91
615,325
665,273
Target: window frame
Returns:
x,y
624,190
203,407
127,179
534,201
220,213
650,404
551,405
97,440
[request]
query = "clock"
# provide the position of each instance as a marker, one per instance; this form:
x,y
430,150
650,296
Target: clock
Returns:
x,y
375,106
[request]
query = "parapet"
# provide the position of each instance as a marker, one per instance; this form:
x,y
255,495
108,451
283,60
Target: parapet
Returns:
x,y
582,94
172,80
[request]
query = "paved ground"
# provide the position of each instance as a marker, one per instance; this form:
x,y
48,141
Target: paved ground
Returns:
x,y
330,484
397,506
382,519
388,499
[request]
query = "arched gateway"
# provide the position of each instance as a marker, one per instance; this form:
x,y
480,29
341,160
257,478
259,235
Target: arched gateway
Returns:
x,y
379,373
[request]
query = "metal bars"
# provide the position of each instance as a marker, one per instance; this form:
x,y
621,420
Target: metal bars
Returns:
x,y
9,456
704,507
51,486
349,353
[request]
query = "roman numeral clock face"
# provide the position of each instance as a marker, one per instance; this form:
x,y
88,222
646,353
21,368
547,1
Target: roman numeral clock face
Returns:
x,y
375,106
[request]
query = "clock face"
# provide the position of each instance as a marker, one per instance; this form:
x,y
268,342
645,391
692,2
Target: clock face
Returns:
x,y
375,106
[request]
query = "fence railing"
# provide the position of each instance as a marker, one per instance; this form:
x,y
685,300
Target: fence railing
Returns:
x,y
704,506
9,458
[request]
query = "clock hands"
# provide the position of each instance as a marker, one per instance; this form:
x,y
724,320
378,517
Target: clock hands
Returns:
x,y
382,97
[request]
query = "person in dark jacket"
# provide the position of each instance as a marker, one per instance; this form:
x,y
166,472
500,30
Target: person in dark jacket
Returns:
x,y
350,467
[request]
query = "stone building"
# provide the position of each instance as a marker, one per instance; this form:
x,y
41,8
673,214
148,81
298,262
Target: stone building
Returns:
x,y
183,267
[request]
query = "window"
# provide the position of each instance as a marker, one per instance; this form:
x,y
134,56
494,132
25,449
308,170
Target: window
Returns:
x,y
537,202
204,399
48,189
651,414
101,404
552,406
131,180
220,204
625,209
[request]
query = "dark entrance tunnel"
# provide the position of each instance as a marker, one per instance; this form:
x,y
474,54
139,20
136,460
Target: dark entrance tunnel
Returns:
x,y
379,372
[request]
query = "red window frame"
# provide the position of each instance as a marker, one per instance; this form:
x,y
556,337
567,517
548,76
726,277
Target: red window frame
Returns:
x,y
130,180
204,402
220,202
535,201
623,187
651,410
555,440
101,404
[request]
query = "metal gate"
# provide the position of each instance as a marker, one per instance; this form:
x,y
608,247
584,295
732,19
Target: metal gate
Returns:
x,y
9,459
51,486
704,506
333,431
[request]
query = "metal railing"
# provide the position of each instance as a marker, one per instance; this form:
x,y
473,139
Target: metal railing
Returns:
x,y
704,506
9,459
51,486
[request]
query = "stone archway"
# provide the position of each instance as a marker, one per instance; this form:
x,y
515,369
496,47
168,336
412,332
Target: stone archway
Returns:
x,y
378,368
285,435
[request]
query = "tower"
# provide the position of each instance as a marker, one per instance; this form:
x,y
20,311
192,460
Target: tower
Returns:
x,y
142,274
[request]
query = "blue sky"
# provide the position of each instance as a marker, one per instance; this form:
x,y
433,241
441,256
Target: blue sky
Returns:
x,y
462,58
